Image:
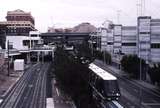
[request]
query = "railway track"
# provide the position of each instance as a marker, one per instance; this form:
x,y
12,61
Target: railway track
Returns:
x,y
30,90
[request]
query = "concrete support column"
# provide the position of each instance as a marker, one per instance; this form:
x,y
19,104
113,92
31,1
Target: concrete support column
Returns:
x,y
28,58
11,59
42,56
38,56
52,55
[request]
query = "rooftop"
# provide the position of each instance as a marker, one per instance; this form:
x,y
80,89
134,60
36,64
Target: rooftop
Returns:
x,y
102,73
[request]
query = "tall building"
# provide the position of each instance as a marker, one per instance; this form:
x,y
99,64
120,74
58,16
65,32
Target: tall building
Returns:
x,y
149,38
102,32
142,40
143,35
117,37
19,22
129,40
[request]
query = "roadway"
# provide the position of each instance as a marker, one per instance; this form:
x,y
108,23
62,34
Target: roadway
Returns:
x,y
30,89
134,95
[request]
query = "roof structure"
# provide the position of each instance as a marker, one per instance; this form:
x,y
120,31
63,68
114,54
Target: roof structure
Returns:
x,y
102,73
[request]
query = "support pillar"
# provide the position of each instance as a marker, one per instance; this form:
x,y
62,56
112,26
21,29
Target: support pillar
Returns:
x,y
42,56
38,56
28,58
52,55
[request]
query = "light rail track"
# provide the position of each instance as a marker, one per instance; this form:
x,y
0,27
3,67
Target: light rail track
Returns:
x,y
30,89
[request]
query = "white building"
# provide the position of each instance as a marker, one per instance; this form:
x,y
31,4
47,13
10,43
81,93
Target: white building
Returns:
x,y
129,40
142,40
149,38
117,38
110,41
22,43
102,33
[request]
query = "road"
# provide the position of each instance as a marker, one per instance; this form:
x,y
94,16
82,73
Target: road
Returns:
x,y
30,90
134,95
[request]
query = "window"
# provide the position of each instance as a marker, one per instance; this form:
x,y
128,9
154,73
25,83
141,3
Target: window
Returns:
x,y
128,44
110,43
155,45
25,42
10,46
111,87
144,33
34,35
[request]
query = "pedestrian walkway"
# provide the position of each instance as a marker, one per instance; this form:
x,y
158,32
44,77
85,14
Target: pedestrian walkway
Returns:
x,y
122,73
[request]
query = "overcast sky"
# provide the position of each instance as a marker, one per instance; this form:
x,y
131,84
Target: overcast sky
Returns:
x,y
68,13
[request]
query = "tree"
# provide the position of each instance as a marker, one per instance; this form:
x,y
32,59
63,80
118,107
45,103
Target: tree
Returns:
x,y
154,73
108,59
101,55
131,64
83,50
73,76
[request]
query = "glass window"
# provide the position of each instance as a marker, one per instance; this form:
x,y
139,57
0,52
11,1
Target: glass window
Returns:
x,y
111,87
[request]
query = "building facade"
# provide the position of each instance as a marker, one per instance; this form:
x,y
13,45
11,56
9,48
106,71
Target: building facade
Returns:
x,y
142,40
102,32
149,38
129,40
19,22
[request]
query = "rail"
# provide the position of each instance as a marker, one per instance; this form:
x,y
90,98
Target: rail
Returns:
x,y
26,92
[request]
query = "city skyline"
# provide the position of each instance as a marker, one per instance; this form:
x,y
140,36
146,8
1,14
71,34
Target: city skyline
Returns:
x,y
61,13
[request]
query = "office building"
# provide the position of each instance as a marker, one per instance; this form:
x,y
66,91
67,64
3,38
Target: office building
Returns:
x,y
142,40
19,22
149,39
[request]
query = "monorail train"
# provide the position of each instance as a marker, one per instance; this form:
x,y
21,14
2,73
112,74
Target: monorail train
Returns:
x,y
103,84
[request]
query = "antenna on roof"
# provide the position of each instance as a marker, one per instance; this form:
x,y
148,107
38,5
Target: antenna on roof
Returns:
x,y
138,8
141,7
118,16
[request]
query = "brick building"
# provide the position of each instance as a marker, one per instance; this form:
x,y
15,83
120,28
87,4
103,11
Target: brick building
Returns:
x,y
19,22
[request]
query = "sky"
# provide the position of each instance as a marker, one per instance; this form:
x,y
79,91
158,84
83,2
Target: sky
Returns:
x,y
69,13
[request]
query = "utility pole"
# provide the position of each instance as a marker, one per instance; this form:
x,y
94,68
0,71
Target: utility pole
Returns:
x,y
8,57
140,78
